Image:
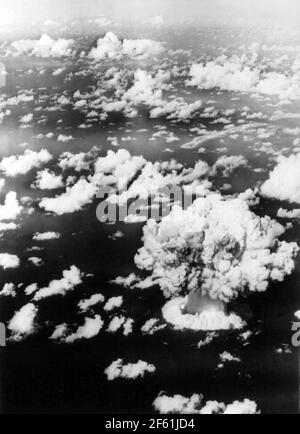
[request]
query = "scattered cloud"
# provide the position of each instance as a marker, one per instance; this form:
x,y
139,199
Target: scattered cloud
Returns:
x,y
23,322
71,278
131,371
22,164
284,180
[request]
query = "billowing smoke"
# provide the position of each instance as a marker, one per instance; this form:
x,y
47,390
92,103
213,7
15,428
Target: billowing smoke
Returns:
x,y
212,252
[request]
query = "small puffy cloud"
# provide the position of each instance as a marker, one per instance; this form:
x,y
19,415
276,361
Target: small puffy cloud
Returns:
x,y
128,326
71,278
9,261
111,47
47,180
127,282
226,165
8,226
142,48
297,314
152,326
35,261
78,162
131,371
26,119
286,214
22,164
23,322
43,47
11,208
179,404
88,330
85,304
115,324
244,407
118,322
64,139
113,303
284,180
60,332
176,109
31,289
74,199
117,168
46,236
58,71
228,357
9,290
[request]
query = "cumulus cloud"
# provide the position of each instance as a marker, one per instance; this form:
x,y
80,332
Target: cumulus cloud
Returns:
x,y
240,74
113,303
8,226
47,180
22,164
74,199
23,322
286,214
26,119
115,324
64,139
11,208
119,322
46,236
226,74
228,357
214,250
284,180
43,47
228,164
35,261
131,371
78,162
128,326
117,168
88,330
71,278
152,326
149,180
31,289
9,290
176,109
111,47
85,304
59,332
179,404
9,261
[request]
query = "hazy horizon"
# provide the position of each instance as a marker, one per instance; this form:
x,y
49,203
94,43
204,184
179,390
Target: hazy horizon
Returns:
x,y
286,12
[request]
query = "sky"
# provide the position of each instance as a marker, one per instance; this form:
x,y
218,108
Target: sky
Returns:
x,y
235,11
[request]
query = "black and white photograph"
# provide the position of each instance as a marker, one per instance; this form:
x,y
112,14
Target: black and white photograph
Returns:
x,y
149,209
